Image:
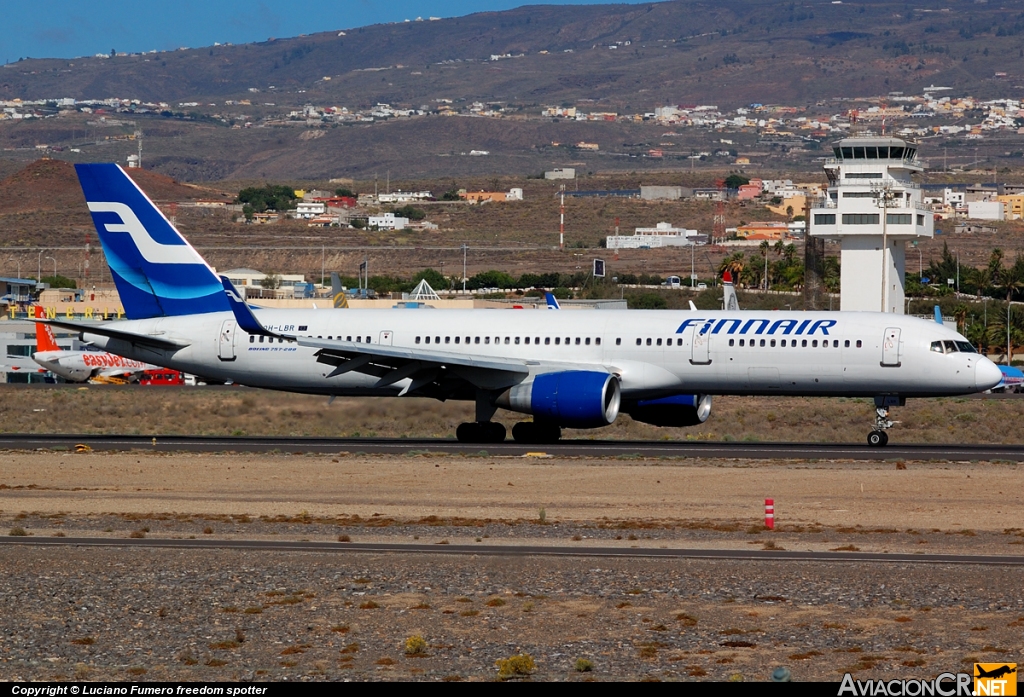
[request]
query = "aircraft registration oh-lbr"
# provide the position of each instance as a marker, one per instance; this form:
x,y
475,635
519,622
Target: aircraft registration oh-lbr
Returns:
x,y
565,369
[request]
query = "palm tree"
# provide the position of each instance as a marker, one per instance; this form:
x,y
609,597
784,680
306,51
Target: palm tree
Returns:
x,y
764,249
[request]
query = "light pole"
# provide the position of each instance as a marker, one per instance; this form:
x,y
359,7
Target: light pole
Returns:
x,y
54,267
464,248
39,266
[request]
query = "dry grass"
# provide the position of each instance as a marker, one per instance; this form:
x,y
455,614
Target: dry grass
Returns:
x,y
216,411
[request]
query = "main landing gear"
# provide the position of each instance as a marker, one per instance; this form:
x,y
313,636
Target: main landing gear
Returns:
x,y
878,437
533,432
480,432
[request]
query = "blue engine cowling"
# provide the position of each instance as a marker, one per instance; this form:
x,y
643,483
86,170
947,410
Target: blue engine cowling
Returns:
x,y
675,411
574,398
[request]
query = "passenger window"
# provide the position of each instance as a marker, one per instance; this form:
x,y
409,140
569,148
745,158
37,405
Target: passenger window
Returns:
x,y
456,340
659,342
742,342
476,340
858,343
252,338
536,340
348,338
261,338
782,343
762,343
732,342
773,343
814,344
846,344
558,341
506,339
517,341
835,343
447,339
468,338
597,341
428,339
417,340
648,342
547,340
804,343
359,339
577,341
638,342
527,340
587,342
487,339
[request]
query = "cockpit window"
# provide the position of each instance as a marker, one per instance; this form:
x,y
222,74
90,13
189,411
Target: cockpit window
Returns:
x,y
965,347
950,346
937,346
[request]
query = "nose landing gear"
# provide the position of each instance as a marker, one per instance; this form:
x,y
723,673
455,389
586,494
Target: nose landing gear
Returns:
x,y
879,438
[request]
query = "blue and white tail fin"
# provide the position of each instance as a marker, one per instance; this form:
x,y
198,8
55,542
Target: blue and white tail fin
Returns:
x,y
552,301
156,271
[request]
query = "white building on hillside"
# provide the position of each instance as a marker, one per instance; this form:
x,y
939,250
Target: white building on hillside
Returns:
x,y
662,235
388,221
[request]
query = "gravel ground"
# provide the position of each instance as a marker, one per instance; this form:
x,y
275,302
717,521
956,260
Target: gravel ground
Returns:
x,y
165,614
219,615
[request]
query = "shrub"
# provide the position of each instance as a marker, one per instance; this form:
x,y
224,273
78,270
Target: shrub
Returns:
x,y
515,666
583,665
415,645
17,532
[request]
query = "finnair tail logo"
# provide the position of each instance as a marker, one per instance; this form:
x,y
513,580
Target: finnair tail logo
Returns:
x,y
152,251
233,295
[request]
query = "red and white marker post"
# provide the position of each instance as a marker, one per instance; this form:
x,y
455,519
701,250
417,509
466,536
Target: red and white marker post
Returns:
x,y
769,513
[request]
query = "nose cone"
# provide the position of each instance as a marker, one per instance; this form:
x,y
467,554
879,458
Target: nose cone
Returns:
x,y
986,375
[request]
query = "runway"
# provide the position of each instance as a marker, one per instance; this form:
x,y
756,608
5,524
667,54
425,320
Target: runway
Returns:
x,y
517,550
565,448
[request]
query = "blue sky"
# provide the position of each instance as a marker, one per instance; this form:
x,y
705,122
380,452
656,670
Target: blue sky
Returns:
x,y
69,28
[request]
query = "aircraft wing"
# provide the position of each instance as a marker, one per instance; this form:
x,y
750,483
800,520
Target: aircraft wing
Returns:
x,y
19,363
391,364
130,337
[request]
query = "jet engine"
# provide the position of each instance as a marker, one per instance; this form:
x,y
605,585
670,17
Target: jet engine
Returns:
x,y
573,398
675,411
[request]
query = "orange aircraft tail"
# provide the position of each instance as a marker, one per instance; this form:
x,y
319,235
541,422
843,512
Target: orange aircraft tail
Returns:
x,y
44,335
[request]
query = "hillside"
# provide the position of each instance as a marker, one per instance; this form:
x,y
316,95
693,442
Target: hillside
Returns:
x,y
730,53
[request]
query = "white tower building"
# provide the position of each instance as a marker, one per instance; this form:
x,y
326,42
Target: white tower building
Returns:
x,y
873,207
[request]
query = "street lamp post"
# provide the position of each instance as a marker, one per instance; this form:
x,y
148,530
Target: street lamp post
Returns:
x,y
54,267
464,248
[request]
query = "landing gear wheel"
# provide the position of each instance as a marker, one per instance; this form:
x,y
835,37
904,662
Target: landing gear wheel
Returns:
x,y
530,432
480,432
878,439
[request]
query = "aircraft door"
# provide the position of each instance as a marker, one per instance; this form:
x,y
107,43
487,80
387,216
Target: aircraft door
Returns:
x,y
386,338
891,347
700,344
227,340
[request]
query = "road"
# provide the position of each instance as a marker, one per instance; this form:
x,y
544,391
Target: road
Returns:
x,y
566,448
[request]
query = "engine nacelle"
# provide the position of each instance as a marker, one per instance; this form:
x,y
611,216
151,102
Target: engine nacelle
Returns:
x,y
573,398
675,411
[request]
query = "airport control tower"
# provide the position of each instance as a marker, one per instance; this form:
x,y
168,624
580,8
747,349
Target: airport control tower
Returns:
x,y
873,208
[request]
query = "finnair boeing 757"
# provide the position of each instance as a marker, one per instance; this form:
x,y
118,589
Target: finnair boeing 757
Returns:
x,y
565,369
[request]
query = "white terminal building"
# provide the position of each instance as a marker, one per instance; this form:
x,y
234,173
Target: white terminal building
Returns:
x,y
662,235
873,208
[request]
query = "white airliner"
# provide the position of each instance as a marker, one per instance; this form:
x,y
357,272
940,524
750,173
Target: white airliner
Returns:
x,y
82,366
79,366
565,369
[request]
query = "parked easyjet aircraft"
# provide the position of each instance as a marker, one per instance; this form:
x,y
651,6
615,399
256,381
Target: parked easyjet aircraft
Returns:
x,y
79,366
565,369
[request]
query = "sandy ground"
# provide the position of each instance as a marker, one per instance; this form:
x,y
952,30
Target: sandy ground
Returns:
x,y
943,496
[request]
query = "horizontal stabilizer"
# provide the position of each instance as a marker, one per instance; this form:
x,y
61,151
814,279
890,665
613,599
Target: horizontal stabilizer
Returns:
x,y
130,337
